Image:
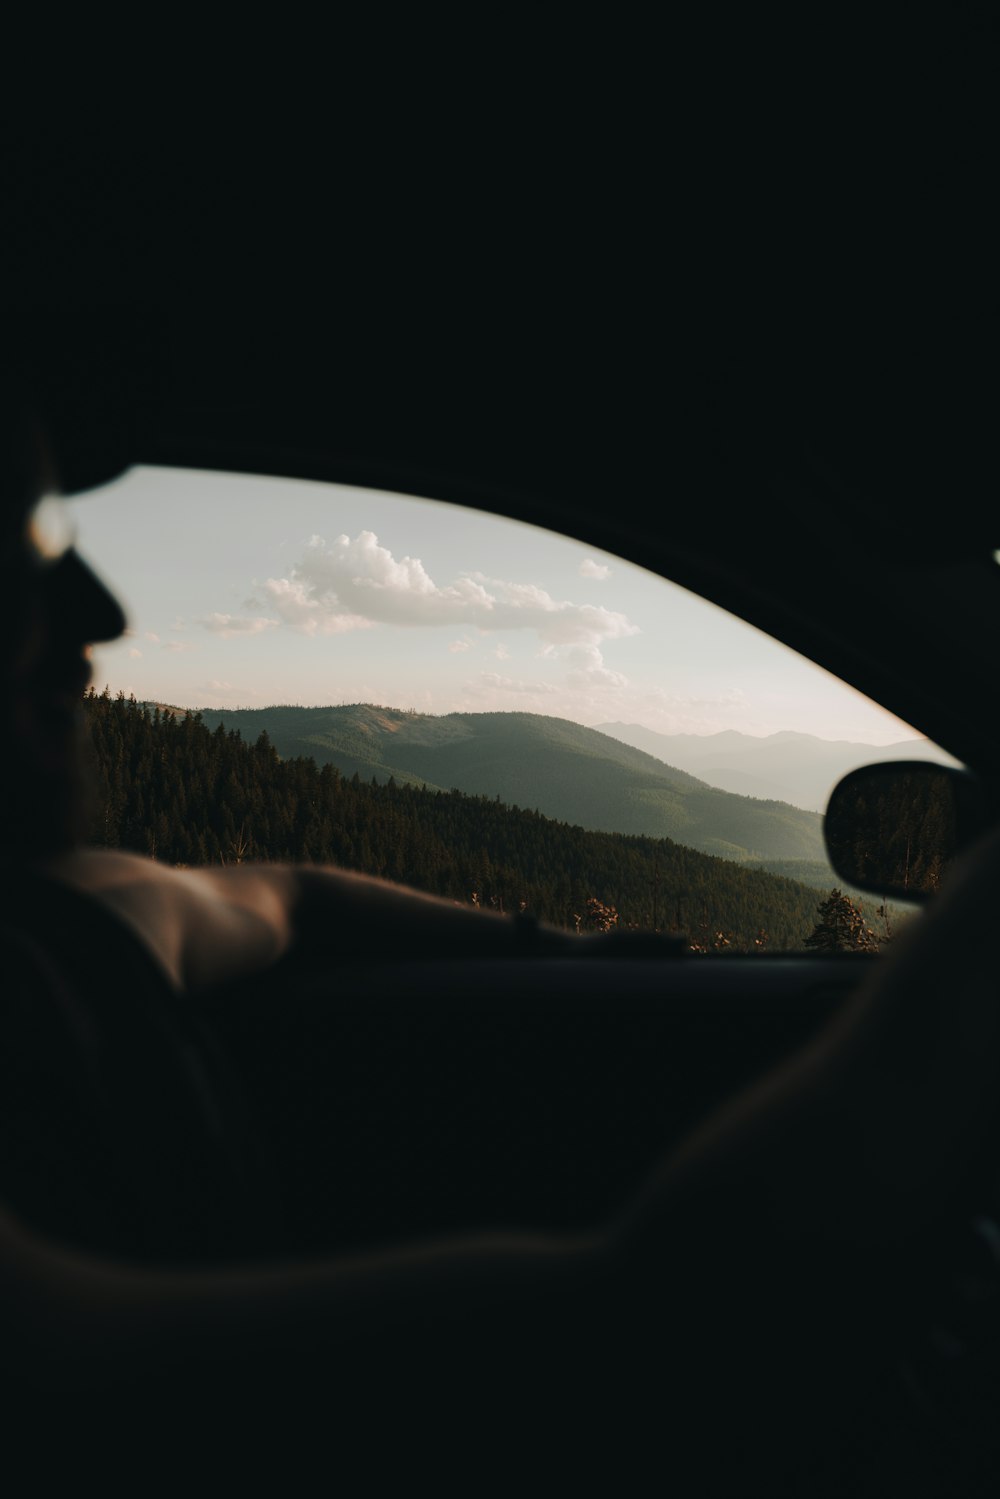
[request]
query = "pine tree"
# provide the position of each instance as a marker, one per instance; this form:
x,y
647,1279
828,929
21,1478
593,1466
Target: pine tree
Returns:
x,y
842,927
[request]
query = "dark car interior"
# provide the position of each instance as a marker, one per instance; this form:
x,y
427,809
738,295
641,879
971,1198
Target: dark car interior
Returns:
x,y
840,507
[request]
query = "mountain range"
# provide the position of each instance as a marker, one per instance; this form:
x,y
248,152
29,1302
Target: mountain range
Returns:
x,y
789,767
581,776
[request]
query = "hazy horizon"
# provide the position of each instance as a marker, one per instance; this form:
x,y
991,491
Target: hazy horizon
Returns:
x,y
237,707
246,591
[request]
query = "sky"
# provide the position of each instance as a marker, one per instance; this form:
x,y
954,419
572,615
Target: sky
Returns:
x,y
246,591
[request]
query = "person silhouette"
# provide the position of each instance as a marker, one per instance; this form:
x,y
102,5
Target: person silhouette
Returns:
x,y
127,1143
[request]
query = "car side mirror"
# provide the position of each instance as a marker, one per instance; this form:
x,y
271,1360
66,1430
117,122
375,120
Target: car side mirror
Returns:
x,y
894,829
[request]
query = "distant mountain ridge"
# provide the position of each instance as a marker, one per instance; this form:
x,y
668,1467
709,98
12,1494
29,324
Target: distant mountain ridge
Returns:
x,y
788,766
573,774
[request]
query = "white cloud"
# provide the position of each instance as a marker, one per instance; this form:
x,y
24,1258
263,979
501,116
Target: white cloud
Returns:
x,y
179,645
591,569
460,645
349,584
502,653
300,605
134,654
152,636
230,625
588,671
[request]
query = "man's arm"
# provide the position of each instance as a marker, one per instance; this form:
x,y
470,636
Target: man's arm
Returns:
x,y
206,926
72,1319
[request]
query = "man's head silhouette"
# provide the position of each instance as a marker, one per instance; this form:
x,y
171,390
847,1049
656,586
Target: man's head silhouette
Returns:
x,y
52,607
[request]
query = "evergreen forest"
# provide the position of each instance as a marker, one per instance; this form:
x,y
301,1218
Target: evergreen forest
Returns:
x,y
166,785
562,769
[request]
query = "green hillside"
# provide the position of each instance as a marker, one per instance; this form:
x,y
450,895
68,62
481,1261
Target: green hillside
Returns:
x,y
561,769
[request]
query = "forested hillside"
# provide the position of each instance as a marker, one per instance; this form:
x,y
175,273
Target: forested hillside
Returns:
x,y
551,765
168,786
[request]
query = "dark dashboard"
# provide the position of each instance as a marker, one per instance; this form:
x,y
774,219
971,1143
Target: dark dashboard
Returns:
x,y
534,1094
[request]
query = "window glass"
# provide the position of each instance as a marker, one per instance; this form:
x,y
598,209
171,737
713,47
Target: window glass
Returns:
x,y
411,644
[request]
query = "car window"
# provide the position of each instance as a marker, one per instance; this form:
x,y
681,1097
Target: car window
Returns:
x,y
466,703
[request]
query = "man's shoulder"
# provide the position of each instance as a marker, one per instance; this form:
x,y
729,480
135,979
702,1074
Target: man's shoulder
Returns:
x,y
96,869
